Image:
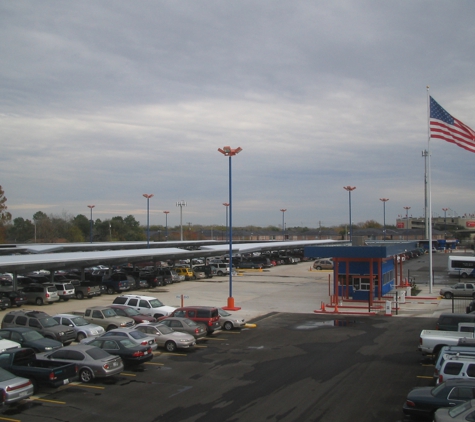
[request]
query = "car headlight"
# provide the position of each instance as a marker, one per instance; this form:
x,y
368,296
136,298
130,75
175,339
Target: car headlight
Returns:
x,y
182,340
61,334
48,348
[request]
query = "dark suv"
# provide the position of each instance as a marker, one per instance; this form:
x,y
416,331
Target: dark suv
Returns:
x,y
41,322
208,315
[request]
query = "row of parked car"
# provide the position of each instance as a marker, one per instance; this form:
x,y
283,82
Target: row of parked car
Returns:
x,y
40,350
451,346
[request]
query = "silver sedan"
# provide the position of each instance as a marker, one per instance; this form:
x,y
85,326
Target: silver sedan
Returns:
x,y
167,337
14,388
82,327
229,321
92,362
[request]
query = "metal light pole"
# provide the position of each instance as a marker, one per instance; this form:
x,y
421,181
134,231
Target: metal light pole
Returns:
x,y
226,204
445,220
91,207
230,152
181,204
350,189
283,223
148,196
407,223
384,216
166,225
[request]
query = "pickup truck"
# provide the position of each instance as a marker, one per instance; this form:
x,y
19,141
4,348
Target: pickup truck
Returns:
x,y
116,283
23,363
87,289
106,317
431,341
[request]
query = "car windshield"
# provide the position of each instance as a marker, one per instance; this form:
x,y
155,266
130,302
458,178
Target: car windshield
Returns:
x,y
5,375
155,303
164,329
137,334
127,343
222,312
190,322
97,353
48,322
32,335
79,321
109,312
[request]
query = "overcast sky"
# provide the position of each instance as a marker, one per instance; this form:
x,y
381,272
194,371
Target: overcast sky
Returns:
x,y
103,101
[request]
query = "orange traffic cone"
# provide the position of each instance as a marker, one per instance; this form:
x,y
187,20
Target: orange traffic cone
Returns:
x,y
323,307
336,308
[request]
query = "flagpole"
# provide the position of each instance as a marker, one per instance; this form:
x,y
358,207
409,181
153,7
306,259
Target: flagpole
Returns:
x,y
430,192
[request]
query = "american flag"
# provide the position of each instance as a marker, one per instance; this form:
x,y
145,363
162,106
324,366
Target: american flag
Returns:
x,y
444,126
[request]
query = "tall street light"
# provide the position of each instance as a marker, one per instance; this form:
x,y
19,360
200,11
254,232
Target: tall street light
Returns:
x,y
407,223
445,220
166,225
384,216
230,152
181,204
148,196
226,204
283,223
349,189
91,207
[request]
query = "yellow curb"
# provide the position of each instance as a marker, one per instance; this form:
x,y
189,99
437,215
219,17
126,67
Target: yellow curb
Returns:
x,y
251,325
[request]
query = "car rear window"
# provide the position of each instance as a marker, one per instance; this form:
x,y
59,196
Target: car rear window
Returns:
x,y
97,353
51,289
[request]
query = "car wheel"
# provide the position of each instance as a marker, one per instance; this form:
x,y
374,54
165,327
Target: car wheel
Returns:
x,y
170,346
8,303
156,316
194,277
80,336
111,327
220,273
318,268
66,299
228,326
39,301
79,295
448,295
110,291
85,375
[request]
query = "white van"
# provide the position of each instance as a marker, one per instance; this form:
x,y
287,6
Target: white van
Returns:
x,y
457,367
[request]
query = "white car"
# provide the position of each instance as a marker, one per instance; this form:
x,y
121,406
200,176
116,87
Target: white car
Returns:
x,y
8,344
229,321
167,337
147,305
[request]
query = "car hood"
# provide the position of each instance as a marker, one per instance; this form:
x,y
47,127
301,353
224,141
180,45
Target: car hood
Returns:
x,y
42,343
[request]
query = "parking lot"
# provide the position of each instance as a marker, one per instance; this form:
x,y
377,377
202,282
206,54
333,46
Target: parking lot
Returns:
x,y
294,366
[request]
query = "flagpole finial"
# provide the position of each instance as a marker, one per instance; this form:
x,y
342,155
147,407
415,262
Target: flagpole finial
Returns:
x,y
427,86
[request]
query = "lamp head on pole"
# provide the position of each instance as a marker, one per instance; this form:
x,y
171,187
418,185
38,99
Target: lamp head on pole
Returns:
x,y
384,199
148,196
349,188
229,152
226,204
91,206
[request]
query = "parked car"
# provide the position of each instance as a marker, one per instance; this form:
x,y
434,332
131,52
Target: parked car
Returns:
x,y
208,315
249,264
27,337
456,366
130,333
65,290
107,318
229,321
4,303
117,283
91,361
166,337
130,351
130,312
458,290
14,388
186,272
424,401
82,327
14,298
144,304
40,294
41,322
185,325
209,270
323,264
460,413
